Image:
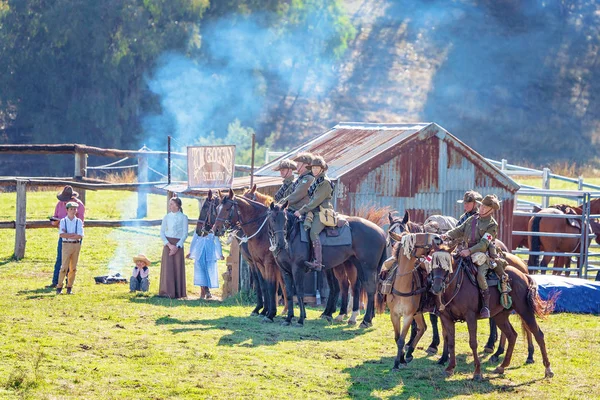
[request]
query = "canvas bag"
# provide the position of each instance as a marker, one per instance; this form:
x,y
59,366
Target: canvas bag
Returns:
x,y
328,217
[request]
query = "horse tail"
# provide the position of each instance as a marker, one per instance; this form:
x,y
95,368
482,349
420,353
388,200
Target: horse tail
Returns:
x,y
380,301
541,308
534,260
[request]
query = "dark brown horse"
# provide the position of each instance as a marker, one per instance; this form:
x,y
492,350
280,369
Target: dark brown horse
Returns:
x,y
559,244
456,298
367,253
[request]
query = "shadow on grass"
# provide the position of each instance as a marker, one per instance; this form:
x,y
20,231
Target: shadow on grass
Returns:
x,y
7,260
252,332
423,378
36,294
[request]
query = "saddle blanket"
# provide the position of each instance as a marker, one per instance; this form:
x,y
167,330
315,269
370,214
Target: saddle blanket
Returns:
x,y
343,238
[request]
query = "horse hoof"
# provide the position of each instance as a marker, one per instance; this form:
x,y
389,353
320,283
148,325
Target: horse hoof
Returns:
x,y
327,318
254,314
488,350
267,320
299,325
340,318
494,359
365,324
286,323
499,370
409,359
351,322
449,373
529,361
431,351
549,373
477,377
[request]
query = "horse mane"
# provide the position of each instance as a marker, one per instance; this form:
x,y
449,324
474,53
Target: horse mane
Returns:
x,y
263,198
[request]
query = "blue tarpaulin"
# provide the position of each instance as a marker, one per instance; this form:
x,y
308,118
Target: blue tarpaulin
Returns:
x,y
576,295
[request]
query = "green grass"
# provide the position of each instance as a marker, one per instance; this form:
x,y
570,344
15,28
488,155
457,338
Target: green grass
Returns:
x,y
104,343
555,184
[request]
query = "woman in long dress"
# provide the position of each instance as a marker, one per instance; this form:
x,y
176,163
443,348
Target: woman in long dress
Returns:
x,y
173,232
206,251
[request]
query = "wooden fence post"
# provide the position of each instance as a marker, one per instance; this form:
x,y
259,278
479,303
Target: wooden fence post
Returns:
x,y
21,220
545,185
169,196
142,195
81,171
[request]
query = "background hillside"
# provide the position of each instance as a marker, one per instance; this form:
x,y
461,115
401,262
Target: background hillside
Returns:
x,y
513,79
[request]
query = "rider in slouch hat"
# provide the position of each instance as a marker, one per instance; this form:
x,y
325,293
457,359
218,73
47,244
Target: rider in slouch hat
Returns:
x,y
286,168
298,195
470,203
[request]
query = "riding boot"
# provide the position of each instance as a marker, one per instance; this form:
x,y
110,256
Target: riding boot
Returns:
x,y
485,297
317,263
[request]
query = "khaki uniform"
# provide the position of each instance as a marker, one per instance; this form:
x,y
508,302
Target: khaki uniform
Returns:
x,y
298,196
477,233
320,192
285,189
466,216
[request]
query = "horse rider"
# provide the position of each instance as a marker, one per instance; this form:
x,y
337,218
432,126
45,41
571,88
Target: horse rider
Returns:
x,y
478,231
299,192
470,205
320,193
286,169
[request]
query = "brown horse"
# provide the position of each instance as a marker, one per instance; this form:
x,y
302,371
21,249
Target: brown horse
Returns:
x,y
456,296
558,244
265,199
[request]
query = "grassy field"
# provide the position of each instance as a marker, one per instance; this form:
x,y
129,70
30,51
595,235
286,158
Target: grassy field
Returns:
x,y
104,343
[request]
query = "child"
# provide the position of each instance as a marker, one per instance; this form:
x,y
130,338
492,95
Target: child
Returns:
x,y
140,276
71,231
206,251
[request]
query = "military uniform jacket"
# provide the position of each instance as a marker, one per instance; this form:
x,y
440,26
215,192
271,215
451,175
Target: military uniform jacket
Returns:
x,y
299,192
320,193
486,230
285,189
466,216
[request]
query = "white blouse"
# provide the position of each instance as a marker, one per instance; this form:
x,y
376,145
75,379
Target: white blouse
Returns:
x,y
174,225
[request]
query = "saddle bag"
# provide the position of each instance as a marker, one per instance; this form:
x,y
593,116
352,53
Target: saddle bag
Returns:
x,y
328,216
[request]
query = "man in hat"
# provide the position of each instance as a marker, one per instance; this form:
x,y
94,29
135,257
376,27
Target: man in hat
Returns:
x,y
286,169
140,278
470,205
477,232
320,194
60,211
70,229
299,191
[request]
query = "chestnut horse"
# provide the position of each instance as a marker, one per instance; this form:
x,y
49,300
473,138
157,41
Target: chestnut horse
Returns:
x,y
456,296
559,244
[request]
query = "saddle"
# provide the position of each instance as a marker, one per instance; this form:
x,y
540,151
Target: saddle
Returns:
x,y
340,235
471,269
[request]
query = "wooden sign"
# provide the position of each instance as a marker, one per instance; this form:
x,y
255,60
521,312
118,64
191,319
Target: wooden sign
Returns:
x,y
210,167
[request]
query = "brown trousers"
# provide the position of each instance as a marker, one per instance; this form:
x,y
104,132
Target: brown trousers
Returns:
x,y
70,256
172,273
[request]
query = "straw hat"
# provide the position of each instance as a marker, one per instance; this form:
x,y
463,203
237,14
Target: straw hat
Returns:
x,y
143,258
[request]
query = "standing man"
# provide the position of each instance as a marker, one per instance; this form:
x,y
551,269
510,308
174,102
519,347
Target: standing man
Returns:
x,y
71,231
470,204
60,211
477,232
286,169
299,192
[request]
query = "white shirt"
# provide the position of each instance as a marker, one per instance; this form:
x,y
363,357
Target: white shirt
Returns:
x,y
74,225
174,225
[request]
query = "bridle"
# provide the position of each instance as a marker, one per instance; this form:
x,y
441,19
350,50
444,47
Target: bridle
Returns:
x,y
206,224
272,237
234,210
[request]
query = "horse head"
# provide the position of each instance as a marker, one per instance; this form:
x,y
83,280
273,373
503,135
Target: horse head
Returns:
x,y
227,213
397,226
278,227
208,214
251,193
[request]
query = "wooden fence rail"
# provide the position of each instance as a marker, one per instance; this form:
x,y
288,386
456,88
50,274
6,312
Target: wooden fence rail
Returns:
x,y
89,223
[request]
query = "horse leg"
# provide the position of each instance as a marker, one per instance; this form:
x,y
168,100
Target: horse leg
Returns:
x,y
435,341
395,317
400,360
444,358
559,262
489,347
472,326
259,296
281,285
511,335
334,290
264,293
530,348
357,290
271,300
413,333
289,285
299,273
421,328
496,356
341,280
450,335
533,327
370,284
545,262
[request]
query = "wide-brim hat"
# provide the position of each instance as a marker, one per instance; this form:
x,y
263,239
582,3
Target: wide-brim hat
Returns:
x,y
471,196
143,258
318,161
286,164
305,158
491,201
67,194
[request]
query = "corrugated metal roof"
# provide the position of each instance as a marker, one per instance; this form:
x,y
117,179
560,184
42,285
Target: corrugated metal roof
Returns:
x,y
349,145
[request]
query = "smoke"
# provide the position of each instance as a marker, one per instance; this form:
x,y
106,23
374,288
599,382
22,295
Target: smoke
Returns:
x,y
200,96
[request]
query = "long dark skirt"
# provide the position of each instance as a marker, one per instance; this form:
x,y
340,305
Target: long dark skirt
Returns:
x,y
172,273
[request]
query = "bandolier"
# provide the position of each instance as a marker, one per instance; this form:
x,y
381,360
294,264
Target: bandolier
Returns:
x,y
299,191
286,168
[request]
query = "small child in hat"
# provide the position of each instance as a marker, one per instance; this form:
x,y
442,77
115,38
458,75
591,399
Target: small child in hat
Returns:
x,y
140,279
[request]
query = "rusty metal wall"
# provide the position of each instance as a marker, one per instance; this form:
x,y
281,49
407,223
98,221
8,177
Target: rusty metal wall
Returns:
x,y
425,177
